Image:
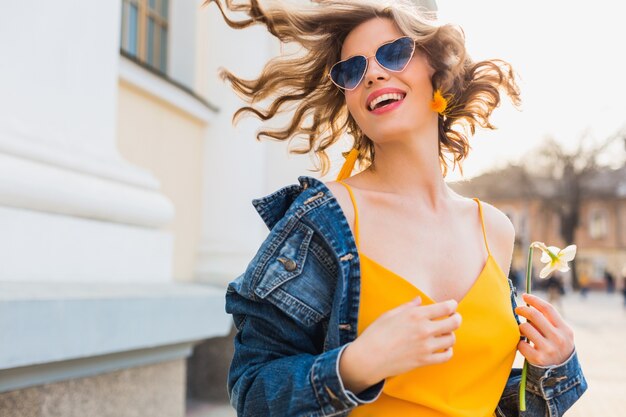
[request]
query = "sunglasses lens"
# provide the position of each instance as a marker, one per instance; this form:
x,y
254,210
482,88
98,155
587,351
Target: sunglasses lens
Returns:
x,y
396,55
347,74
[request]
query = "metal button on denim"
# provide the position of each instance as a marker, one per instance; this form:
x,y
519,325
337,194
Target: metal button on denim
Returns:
x,y
289,264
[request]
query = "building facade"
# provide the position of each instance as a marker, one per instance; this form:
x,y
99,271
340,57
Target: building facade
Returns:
x,y
125,201
601,233
106,114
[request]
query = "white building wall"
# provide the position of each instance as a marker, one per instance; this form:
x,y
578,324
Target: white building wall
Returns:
x,y
47,68
238,167
182,58
85,264
64,189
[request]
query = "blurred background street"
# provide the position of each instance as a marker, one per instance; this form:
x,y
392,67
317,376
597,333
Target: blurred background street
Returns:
x,y
599,323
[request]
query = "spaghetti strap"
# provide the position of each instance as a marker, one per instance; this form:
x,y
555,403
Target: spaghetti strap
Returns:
x,y
482,222
348,164
356,213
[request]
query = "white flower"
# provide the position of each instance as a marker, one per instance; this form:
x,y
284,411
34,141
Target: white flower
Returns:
x,y
555,258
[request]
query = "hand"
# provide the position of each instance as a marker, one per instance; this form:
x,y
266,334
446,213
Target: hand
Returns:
x,y
406,337
552,338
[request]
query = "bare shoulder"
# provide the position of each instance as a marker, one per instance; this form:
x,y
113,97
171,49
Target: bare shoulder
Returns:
x,y
500,234
500,223
340,192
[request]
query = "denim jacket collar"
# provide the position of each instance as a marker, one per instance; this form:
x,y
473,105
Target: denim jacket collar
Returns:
x,y
311,202
278,204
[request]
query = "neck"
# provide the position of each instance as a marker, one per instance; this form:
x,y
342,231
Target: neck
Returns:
x,y
411,169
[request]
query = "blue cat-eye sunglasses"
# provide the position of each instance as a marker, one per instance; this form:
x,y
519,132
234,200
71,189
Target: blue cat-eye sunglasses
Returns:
x,y
393,56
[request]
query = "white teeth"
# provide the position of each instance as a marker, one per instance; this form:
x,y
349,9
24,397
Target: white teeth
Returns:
x,y
389,96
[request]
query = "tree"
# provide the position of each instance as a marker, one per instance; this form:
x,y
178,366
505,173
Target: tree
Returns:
x,y
560,179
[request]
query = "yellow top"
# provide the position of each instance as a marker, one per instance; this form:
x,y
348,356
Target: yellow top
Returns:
x,y
471,383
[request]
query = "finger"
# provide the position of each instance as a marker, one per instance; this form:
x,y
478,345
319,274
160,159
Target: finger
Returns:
x,y
443,342
529,352
441,309
416,300
448,324
440,357
538,320
545,307
528,330
413,302
409,304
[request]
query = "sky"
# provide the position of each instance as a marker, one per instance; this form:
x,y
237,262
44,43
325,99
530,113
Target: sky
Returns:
x,y
571,70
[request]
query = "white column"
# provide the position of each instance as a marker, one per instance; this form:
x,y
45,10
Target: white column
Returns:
x,y
234,161
238,167
71,209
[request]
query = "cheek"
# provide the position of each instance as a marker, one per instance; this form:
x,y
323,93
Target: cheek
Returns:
x,y
417,76
353,104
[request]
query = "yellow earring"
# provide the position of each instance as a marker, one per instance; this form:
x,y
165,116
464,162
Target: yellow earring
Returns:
x,y
348,165
439,103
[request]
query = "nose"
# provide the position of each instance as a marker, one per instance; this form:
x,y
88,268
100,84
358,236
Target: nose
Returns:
x,y
374,72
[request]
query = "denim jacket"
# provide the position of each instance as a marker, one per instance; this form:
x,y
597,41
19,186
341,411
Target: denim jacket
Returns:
x,y
295,310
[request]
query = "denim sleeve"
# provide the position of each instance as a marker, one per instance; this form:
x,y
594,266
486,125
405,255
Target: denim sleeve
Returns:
x,y
550,390
555,388
278,368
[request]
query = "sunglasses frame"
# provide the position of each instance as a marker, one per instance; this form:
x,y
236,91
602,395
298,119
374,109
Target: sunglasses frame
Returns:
x,y
367,59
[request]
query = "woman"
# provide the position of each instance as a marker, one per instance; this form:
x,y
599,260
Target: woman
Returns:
x,y
624,284
381,294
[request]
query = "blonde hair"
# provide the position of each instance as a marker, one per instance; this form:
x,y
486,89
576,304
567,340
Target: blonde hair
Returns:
x,y
321,114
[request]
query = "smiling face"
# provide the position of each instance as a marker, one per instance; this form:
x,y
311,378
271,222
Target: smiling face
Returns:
x,y
407,94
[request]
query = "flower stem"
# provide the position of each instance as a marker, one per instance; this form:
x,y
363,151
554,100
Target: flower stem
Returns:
x,y
528,269
522,385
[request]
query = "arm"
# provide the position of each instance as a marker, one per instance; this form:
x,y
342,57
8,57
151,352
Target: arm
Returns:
x,y
278,370
282,306
554,388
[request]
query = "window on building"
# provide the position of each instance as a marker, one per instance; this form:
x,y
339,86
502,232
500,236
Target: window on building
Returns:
x,y
144,31
598,268
523,226
598,224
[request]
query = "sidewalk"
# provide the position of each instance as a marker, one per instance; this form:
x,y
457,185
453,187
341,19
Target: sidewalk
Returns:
x,y
599,324
203,409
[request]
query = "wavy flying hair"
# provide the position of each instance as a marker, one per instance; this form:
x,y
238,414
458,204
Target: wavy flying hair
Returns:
x,y
321,114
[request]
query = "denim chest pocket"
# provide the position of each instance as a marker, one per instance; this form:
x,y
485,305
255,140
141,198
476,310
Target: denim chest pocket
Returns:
x,y
298,277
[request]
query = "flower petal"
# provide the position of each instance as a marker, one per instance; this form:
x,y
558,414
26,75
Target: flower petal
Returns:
x,y
554,249
563,267
568,253
545,258
546,271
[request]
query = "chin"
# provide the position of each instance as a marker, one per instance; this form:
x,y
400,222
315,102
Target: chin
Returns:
x,y
385,133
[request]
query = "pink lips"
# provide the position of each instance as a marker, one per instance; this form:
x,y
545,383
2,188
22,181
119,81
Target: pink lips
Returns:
x,y
388,107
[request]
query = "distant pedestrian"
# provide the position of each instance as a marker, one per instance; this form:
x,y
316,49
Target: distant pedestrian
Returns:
x,y
610,281
624,284
555,290
584,284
